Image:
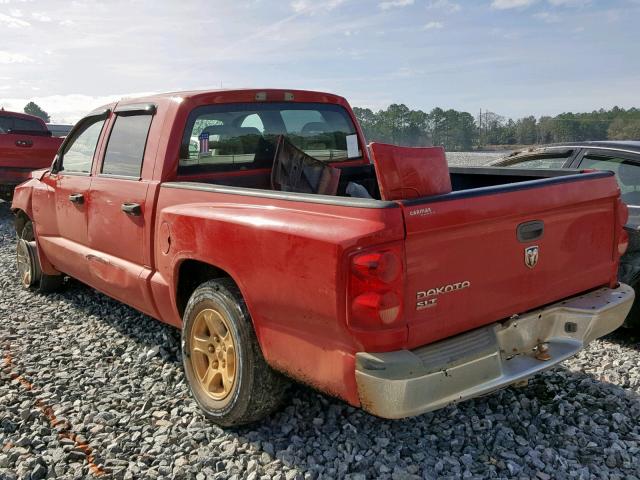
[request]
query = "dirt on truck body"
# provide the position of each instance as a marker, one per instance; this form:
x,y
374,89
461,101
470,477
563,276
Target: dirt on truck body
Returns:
x,y
261,224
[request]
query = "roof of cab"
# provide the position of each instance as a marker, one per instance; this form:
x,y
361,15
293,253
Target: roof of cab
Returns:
x,y
243,95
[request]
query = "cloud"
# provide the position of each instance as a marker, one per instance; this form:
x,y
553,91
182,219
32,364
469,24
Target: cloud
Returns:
x,y
557,3
41,17
8,57
548,17
507,4
66,108
13,22
446,5
433,26
310,6
395,3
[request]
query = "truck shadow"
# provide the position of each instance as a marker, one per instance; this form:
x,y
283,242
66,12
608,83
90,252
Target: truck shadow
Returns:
x,y
626,338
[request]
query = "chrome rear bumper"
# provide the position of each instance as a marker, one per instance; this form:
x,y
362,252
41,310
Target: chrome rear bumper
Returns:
x,y
410,382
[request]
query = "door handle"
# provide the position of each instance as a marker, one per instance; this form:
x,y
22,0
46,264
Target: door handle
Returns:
x,y
530,231
24,143
76,198
132,209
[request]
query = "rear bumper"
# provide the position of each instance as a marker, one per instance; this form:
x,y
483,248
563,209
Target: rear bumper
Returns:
x,y
410,382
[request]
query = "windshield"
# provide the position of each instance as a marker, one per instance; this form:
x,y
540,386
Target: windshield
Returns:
x,y
243,136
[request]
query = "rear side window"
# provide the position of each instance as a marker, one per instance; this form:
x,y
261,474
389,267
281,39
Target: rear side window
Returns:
x,y
127,142
78,153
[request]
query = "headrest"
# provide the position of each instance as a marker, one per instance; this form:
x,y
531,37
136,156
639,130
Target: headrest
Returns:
x,y
315,127
248,131
409,172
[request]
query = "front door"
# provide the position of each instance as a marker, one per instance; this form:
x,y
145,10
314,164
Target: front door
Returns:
x,y
60,213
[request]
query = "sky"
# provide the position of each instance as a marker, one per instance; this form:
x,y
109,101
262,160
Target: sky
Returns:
x,y
512,57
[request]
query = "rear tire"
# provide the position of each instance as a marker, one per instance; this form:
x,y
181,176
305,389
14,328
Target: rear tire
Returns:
x,y
227,374
29,271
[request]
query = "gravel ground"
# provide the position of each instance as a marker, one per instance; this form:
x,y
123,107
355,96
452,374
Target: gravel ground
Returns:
x,y
91,388
467,159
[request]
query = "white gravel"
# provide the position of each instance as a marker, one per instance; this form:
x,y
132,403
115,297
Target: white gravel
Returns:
x,y
468,159
90,387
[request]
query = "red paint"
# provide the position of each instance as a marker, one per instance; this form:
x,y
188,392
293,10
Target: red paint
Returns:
x,y
22,152
301,266
409,172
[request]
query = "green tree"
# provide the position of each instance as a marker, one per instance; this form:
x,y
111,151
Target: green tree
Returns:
x,y
33,108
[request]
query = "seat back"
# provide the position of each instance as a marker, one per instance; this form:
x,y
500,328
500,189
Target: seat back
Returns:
x,y
410,172
295,171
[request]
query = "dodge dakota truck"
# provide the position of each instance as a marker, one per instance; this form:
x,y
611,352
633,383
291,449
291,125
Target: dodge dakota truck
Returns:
x,y
26,144
261,224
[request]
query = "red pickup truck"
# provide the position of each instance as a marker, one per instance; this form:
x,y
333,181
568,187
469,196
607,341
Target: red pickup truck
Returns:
x,y
26,144
261,224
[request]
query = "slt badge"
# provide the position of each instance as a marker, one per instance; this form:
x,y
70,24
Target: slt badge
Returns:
x,y
531,256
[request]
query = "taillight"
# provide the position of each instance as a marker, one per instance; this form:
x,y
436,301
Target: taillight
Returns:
x,y
375,289
623,242
623,213
623,236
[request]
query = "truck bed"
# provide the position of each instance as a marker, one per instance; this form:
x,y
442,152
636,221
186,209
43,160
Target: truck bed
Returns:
x,y
469,236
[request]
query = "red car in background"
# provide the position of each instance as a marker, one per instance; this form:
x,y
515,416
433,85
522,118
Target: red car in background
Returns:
x,y
26,144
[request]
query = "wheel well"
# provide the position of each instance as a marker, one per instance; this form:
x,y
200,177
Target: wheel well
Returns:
x,y
191,274
20,221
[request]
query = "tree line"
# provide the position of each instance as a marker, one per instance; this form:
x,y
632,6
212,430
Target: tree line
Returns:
x,y
459,131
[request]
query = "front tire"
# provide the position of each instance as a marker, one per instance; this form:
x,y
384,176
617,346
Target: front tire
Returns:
x,y
223,363
29,271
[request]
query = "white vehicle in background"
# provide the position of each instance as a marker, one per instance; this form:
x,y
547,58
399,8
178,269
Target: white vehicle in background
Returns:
x,y
59,129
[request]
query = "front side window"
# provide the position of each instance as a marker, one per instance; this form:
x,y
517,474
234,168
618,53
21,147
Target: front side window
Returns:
x,y
79,151
243,136
127,142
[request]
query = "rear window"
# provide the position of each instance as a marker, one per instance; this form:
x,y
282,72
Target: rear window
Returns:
x,y
243,136
7,124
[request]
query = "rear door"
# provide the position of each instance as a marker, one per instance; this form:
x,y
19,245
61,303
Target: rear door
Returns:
x,y
119,214
61,211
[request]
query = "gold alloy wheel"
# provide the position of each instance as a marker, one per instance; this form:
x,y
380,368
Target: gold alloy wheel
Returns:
x,y
23,258
213,353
